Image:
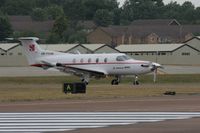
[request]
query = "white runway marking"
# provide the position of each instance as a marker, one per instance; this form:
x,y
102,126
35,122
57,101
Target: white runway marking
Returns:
x,y
67,121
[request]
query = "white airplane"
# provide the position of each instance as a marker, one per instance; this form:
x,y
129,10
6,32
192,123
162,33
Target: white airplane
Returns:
x,y
87,65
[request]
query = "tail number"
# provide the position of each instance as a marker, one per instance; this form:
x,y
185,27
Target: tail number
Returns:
x,y
31,47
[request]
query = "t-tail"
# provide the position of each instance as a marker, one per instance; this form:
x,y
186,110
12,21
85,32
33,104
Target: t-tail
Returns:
x,y
32,50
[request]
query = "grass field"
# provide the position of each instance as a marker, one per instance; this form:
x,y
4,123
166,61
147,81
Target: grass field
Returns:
x,y
50,88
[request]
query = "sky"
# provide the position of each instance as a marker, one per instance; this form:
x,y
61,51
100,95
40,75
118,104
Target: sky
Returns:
x,y
195,2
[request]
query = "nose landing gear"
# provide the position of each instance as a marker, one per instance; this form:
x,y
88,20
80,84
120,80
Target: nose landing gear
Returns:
x,y
136,82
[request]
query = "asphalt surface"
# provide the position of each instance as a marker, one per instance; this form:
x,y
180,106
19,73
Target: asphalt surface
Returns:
x,y
70,121
182,103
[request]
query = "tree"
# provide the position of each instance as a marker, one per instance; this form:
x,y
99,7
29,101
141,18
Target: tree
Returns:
x,y
79,37
54,11
5,27
39,14
188,12
103,17
91,6
60,26
53,38
18,7
74,9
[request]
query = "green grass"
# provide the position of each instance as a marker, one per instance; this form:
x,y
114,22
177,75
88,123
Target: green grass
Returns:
x,y
50,88
143,79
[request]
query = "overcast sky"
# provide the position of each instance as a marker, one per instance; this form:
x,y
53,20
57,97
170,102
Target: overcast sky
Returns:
x,y
195,2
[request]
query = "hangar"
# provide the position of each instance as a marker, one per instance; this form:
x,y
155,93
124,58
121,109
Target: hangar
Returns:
x,y
187,53
171,54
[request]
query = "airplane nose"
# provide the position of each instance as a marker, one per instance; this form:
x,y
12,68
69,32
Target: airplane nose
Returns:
x,y
155,66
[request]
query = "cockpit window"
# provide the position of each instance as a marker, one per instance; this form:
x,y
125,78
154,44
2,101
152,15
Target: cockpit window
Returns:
x,y
122,58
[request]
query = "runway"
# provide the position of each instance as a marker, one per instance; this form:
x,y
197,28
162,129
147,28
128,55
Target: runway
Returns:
x,y
68,121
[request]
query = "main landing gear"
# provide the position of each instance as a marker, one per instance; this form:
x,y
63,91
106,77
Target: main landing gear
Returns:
x,y
85,79
116,81
136,82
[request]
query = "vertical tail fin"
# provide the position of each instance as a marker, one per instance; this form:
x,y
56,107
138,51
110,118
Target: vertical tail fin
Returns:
x,y
31,49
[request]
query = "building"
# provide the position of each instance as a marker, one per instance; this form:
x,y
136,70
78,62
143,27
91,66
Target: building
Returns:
x,y
163,22
112,35
87,26
100,48
144,32
187,53
26,24
171,54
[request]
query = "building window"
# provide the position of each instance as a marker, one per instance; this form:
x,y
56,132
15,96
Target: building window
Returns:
x,y
163,53
97,60
10,53
19,53
2,53
186,54
136,54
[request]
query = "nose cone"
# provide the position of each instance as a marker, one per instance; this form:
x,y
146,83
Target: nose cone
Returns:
x,y
155,66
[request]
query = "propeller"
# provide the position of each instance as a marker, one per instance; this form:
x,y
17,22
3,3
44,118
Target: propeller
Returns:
x,y
154,68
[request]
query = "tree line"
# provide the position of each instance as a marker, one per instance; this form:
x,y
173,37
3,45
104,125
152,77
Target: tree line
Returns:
x,y
67,13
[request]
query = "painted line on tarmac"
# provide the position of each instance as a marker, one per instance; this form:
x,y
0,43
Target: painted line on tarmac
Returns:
x,y
39,122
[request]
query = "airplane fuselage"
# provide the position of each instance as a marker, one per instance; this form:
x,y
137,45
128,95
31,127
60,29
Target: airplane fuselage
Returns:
x,y
110,64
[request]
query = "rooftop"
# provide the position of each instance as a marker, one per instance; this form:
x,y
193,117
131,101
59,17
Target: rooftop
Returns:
x,y
147,47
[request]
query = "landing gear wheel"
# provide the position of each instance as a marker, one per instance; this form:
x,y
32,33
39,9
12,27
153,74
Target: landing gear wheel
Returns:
x,y
136,83
84,81
114,82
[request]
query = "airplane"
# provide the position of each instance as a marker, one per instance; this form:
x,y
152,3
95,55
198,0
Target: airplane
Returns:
x,y
87,66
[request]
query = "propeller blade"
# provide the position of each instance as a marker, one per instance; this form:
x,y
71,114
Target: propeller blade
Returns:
x,y
155,75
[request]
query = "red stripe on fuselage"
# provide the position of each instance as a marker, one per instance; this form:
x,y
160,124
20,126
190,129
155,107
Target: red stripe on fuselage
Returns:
x,y
41,65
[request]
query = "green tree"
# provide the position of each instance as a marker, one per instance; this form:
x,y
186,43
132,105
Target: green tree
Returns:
x,y
5,27
188,12
91,6
54,11
39,14
141,9
53,38
79,37
18,7
197,13
74,9
60,26
103,17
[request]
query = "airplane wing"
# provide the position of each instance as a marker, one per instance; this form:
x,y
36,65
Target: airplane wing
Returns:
x,y
74,70
85,70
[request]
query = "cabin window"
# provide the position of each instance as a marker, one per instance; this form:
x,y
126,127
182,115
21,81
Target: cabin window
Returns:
x,y
74,61
106,60
81,60
19,53
97,60
89,60
122,58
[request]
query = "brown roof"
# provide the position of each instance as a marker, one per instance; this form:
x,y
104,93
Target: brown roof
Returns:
x,y
162,31
156,22
19,18
115,30
87,24
25,23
